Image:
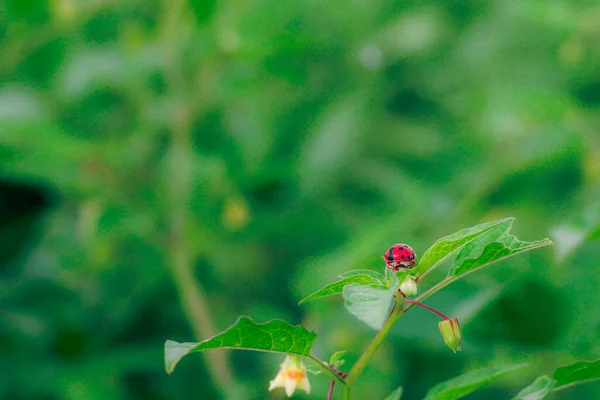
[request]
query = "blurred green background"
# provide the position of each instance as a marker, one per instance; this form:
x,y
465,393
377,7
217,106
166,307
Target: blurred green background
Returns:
x,y
168,166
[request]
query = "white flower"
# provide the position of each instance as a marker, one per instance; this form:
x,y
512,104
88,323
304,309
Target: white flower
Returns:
x,y
292,375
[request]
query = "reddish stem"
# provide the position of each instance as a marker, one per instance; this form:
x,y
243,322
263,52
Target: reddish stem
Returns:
x,y
425,306
330,393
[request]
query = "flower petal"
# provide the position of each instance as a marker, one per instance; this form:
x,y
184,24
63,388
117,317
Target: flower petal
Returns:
x,y
278,381
304,384
290,386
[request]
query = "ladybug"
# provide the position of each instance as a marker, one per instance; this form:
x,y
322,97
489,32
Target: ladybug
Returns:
x,y
399,256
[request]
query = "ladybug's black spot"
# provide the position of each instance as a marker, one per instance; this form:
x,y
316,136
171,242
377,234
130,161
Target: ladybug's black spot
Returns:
x,y
402,256
400,248
390,254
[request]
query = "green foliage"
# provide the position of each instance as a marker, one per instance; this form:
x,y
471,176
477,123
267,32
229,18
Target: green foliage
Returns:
x,y
371,305
373,280
576,373
492,246
269,146
538,390
395,395
273,336
564,377
369,296
336,359
581,228
447,246
463,385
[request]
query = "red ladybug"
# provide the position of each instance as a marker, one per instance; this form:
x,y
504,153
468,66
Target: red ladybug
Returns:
x,y
399,256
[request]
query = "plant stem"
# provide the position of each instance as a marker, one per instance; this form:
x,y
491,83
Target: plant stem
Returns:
x,y
425,306
191,295
330,393
345,392
362,361
395,314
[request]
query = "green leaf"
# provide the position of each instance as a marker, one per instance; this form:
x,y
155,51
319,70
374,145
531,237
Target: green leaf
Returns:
x,y
370,304
445,247
467,383
538,390
374,274
202,10
564,377
395,395
337,287
493,245
579,372
273,336
337,356
583,227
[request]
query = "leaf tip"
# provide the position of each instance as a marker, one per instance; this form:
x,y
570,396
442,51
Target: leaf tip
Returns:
x,y
174,351
169,364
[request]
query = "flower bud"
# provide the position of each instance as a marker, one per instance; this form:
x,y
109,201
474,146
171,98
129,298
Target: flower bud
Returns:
x,y
409,286
451,332
292,375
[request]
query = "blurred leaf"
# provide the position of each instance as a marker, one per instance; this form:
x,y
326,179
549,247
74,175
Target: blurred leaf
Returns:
x,y
371,305
273,336
494,245
467,383
564,377
571,235
32,12
337,356
395,395
539,389
203,10
579,372
445,247
567,240
334,140
468,309
337,287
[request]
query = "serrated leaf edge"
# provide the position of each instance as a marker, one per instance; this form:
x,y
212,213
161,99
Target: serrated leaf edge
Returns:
x,y
447,256
170,367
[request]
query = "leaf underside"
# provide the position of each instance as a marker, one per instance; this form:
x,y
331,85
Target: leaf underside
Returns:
x,y
538,390
371,305
364,279
272,336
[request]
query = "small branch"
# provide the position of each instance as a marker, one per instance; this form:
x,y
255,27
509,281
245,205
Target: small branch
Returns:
x,y
192,297
364,358
330,393
425,306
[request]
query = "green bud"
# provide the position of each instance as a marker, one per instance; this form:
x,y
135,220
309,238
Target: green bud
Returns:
x,y
451,332
409,286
